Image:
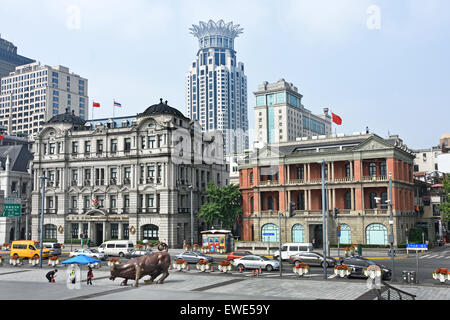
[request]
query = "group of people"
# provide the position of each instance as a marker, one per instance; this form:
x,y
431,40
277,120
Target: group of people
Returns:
x,y
52,274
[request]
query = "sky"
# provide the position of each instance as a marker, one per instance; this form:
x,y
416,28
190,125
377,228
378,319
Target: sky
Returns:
x,y
377,63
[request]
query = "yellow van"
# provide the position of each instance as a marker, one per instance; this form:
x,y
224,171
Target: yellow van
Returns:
x,y
28,249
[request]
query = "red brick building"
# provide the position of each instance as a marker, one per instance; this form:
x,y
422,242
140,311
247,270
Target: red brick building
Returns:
x,y
357,173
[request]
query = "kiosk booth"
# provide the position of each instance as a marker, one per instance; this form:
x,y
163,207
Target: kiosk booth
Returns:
x,y
217,241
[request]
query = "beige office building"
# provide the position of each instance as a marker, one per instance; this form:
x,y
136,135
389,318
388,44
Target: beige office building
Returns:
x,y
34,93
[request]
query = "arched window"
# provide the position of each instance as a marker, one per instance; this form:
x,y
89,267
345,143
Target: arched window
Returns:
x,y
376,233
50,231
270,233
372,169
373,202
348,200
298,233
346,236
150,232
383,171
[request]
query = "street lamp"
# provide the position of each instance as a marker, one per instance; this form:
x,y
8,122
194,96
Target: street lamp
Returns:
x,y
192,217
324,227
391,223
279,240
41,244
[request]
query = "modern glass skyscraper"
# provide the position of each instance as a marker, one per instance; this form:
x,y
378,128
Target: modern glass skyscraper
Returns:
x,y
216,86
9,59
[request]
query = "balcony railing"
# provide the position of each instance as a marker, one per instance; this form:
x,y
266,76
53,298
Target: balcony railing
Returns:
x,y
269,183
74,183
126,181
113,210
49,211
184,210
345,179
87,183
296,181
375,211
375,178
112,181
125,210
99,182
148,210
73,210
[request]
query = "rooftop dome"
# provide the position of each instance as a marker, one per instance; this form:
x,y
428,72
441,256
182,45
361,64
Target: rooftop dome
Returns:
x,y
161,108
67,118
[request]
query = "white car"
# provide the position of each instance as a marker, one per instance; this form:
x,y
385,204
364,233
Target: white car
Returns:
x,y
93,253
256,262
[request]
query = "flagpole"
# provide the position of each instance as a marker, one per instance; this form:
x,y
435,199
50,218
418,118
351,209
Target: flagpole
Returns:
x,y
114,100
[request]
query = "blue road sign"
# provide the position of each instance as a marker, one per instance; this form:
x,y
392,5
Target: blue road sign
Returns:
x,y
417,246
269,234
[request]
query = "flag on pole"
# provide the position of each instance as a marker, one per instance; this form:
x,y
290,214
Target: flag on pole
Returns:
x,y
336,119
96,105
116,104
1,137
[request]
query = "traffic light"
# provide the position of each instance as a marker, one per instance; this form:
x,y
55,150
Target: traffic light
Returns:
x,y
291,209
336,212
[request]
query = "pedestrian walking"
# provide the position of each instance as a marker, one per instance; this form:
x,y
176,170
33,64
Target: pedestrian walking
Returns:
x,y
51,275
314,243
90,275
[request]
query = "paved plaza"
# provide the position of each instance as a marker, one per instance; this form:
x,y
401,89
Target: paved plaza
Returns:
x,y
29,283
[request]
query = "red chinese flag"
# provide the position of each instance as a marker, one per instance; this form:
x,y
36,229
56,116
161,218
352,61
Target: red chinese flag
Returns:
x,y
336,119
1,137
96,105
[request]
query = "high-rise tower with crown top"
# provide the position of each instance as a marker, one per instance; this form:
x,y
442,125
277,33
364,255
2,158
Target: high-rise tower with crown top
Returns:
x,y
216,85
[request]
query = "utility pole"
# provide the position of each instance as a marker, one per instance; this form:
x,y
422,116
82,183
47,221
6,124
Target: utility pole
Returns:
x,y
279,242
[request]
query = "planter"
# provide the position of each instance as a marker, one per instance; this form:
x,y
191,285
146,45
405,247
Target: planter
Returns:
x,y
300,271
224,268
34,262
53,263
372,273
342,272
179,266
202,267
15,262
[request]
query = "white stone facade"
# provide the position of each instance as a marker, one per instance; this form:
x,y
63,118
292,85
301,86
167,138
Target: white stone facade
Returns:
x,y
137,172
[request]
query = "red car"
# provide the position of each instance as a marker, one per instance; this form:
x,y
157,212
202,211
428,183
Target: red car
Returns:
x,y
237,254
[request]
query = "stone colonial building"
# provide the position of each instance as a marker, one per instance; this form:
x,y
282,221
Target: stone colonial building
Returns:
x,y
124,178
357,174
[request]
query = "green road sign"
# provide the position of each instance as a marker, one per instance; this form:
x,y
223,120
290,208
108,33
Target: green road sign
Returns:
x,y
12,207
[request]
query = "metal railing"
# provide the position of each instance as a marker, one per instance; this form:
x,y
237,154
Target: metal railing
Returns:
x,y
375,178
391,293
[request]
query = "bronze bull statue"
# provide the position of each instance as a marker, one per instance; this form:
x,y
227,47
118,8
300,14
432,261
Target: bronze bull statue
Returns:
x,y
152,264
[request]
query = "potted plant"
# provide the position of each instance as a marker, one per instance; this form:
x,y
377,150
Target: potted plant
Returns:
x,y
186,247
5,246
373,272
15,260
53,261
441,274
205,249
203,265
113,261
301,269
225,266
34,260
196,247
342,270
139,246
179,264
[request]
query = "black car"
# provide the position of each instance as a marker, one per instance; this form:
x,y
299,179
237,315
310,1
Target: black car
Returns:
x,y
358,264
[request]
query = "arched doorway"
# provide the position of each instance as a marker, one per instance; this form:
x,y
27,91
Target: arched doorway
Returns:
x,y
270,233
298,233
376,233
346,236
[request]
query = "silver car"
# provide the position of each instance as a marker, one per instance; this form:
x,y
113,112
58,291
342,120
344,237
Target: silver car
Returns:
x,y
256,262
93,253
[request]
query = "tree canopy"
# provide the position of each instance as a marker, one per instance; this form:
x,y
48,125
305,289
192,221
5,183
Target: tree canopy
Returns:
x,y
223,206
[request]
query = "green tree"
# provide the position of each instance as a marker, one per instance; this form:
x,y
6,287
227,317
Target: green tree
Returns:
x,y
223,206
445,206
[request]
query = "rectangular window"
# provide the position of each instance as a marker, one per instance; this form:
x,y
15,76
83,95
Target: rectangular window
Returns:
x,y
127,144
260,101
113,145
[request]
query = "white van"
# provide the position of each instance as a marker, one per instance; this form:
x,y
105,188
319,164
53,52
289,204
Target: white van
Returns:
x,y
116,247
291,248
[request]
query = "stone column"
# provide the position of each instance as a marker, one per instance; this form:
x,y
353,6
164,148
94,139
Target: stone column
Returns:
x,y
120,230
352,197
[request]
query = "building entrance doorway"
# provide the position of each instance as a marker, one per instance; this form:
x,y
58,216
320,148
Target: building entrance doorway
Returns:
x,y
316,234
98,234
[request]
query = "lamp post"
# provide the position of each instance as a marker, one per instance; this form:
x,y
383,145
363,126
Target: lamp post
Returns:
x,y
391,223
41,237
192,217
323,222
16,220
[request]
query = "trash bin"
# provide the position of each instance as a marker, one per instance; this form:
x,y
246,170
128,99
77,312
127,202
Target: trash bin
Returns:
x,y
360,249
